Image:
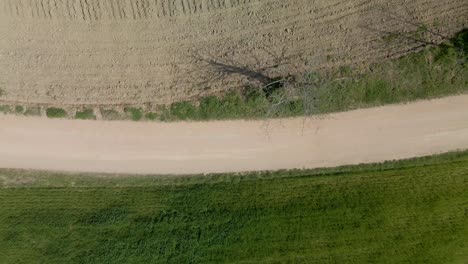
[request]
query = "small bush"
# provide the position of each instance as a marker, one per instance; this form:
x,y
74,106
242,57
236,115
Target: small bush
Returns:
x,y
295,108
54,112
5,109
164,114
255,103
276,85
135,113
461,42
376,92
85,114
19,109
210,108
151,116
232,106
183,111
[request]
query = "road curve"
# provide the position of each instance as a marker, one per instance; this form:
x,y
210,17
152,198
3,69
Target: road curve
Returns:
x,y
361,136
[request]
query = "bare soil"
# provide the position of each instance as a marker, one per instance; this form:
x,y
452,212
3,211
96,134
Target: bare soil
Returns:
x,y
113,52
362,136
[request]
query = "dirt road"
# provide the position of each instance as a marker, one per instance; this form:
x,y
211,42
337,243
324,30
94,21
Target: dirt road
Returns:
x,y
368,135
71,53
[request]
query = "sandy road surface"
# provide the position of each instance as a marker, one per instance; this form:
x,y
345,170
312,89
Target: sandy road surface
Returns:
x,y
368,135
110,52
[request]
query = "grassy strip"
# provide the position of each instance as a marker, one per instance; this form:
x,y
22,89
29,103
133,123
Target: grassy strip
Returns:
x,y
5,109
410,211
12,178
85,114
19,109
135,114
54,112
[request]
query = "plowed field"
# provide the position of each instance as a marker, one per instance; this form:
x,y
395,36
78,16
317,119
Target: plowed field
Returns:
x,y
111,52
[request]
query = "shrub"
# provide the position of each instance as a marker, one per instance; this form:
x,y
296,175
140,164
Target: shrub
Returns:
x,y
54,112
85,114
151,116
19,109
255,103
135,113
5,109
295,108
164,113
183,111
210,108
232,105
461,42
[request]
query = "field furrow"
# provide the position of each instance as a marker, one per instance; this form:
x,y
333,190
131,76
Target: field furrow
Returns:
x,y
96,52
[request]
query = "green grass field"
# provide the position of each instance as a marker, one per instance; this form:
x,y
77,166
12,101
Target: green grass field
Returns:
x,y
412,211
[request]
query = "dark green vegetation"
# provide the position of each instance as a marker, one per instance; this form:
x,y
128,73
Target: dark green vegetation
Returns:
x,y
135,114
151,116
410,211
5,109
85,114
461,42
54,112
19,109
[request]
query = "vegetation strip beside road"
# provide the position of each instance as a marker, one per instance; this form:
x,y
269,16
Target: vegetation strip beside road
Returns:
x,y
404,211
